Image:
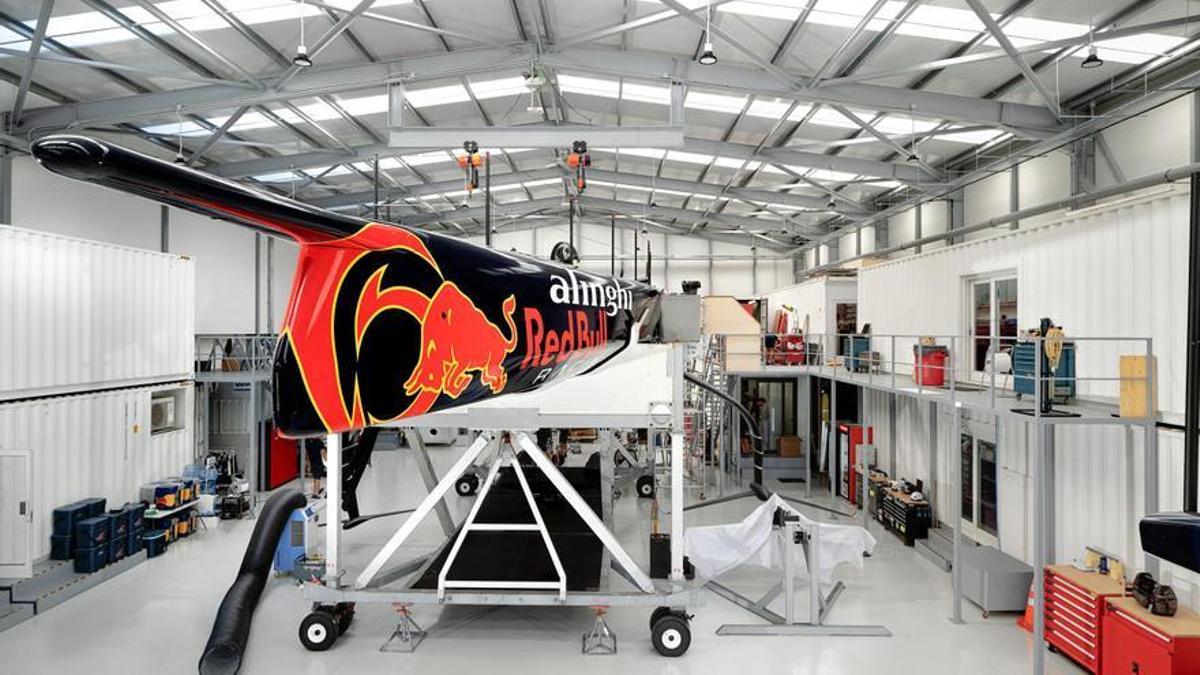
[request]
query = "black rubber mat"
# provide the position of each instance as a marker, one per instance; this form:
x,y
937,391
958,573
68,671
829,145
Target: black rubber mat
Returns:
x,y
522,556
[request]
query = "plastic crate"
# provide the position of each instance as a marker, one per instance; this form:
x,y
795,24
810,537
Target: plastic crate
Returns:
x,y
61,547
155,542
134,542
92,532
88,560
65,518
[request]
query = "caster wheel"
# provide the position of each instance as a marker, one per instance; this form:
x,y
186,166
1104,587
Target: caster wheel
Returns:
x,y
318,631
1052,648
987,614
345,616
658,613
467,484
671,635
645,487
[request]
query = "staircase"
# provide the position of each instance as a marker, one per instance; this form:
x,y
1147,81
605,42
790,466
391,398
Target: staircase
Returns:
x,y
53,583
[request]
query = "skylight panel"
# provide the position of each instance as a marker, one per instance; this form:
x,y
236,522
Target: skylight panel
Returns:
x,y
366,105
505,86
593,86
688,157
724,103
646,93
431,96
423,158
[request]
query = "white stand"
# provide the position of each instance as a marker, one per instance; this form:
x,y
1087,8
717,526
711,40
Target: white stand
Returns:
x,y
819,605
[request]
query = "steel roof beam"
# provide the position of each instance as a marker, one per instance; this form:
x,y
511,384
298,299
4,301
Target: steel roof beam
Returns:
x,y
332,79
35,46
998,33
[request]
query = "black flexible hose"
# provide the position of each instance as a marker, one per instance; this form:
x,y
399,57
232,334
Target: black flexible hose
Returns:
x,y
755,436
223,653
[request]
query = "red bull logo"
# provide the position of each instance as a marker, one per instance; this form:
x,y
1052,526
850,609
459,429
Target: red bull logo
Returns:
x,y
458,340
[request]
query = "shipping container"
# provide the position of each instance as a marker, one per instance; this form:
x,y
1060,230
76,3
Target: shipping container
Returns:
x,y
82,315
86,445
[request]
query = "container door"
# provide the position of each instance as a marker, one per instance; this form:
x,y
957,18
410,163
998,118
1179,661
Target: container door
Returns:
x,y
16,515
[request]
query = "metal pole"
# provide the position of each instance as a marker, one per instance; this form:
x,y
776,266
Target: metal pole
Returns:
x,y
375,186
487,198
612,247
1039,505
956,516
1150,451
333,508
834,440
1191,425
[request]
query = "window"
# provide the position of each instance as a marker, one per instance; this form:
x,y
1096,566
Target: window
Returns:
x,y
993,318
978,462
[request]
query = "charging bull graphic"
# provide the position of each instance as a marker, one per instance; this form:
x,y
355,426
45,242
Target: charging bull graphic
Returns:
x,y
384,322
456,339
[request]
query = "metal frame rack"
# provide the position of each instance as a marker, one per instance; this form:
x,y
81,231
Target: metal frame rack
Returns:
x,y
888,374
254,364
643,407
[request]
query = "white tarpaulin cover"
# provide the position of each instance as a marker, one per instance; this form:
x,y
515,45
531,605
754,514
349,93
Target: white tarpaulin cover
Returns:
x,y
716,549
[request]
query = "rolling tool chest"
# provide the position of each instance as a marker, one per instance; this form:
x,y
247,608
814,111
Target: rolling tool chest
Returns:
x,y
906,517
1075,610
1024,368
1136,641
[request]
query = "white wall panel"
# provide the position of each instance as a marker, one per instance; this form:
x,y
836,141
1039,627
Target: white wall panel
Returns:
x,y
50,203
1116,270
1040,180
224,255
78,314
91,445
1149,143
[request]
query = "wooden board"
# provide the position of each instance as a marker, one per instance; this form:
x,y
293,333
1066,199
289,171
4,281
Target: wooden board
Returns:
x,y
1133,370
1185,623
1093,582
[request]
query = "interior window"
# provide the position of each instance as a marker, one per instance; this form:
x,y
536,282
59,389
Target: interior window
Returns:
x,y
993,318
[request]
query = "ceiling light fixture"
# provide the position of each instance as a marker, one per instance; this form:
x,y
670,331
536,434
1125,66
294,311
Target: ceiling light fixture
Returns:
x,y
708,56
302,59
1092,60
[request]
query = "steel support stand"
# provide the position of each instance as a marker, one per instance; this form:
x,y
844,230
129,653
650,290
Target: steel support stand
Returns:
x,y
408,633
600,640
429,477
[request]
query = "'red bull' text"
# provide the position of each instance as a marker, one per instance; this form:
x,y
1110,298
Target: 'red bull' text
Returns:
x,y
543,347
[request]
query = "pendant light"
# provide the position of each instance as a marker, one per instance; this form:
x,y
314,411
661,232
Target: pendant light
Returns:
x,y
708,56
301,59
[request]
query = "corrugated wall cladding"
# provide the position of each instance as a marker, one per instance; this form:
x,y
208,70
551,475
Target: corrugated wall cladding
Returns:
x,y
87,446
1115,270
79,315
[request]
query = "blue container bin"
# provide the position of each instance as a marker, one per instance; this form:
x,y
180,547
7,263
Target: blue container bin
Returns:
x,y
92,532
88,560
137,515
134,543
120,523
155,542
117,549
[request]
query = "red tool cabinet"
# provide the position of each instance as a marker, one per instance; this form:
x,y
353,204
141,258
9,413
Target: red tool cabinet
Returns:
x,y
1136,641
1075,610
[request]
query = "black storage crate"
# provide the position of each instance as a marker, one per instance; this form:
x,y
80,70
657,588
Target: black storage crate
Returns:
x,y
117,549
137,515
61,547
134,543
95,505
155,542
88,560
120,523
65,518
91,532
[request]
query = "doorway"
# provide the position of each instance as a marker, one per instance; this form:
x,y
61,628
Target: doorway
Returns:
x,y
980,489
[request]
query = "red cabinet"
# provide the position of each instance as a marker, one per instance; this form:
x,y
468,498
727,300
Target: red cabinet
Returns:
x,y
850,436
1075,610
1136,641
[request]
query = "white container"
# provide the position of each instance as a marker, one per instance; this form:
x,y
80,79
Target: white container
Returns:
x,y
80,315
91,445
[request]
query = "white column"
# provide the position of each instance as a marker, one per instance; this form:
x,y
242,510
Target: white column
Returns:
x,y
333,508
677,505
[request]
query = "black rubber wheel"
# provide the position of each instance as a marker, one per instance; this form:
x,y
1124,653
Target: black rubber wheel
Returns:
x,y
593,462
318,631
467,484
645,487
671,635
345,616
658,613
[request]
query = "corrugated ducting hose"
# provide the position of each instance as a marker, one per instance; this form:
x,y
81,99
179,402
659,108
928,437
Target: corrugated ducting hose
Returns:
x,y
223,653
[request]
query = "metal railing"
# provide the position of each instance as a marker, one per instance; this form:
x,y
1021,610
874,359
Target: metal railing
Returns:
x,y
998,367
235,352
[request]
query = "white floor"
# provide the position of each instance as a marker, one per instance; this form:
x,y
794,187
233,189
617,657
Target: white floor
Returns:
x,y
155,619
